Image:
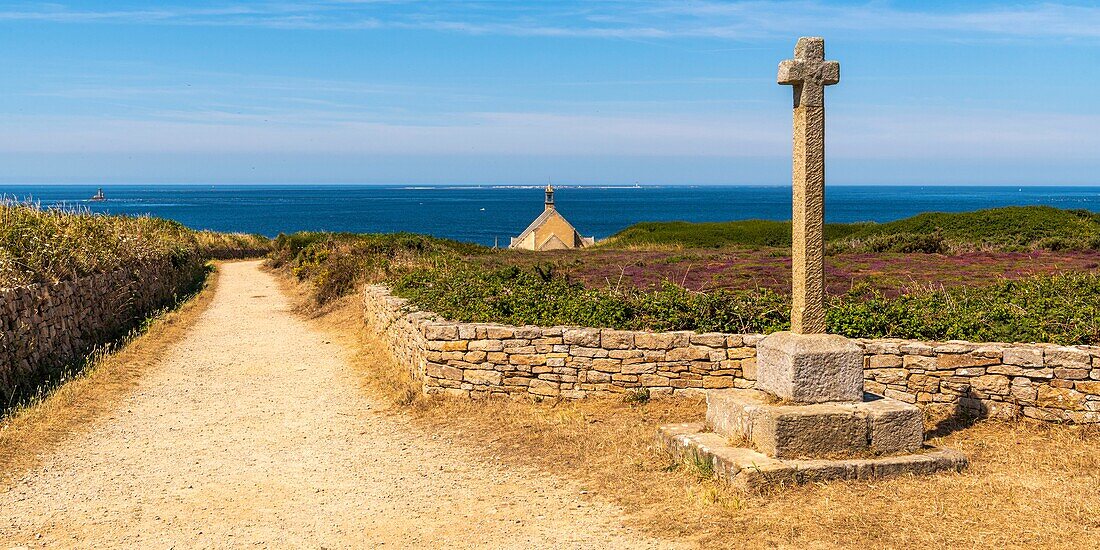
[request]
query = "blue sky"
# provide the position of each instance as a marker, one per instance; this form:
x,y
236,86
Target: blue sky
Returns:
x,y
932,92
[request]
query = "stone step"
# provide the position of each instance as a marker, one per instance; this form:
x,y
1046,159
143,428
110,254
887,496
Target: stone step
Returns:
x,y
751,470
874,427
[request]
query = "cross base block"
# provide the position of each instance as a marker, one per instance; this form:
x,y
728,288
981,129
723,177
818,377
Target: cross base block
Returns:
x,y
873,427
810,368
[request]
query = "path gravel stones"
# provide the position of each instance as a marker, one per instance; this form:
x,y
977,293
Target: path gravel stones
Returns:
x,y
253,432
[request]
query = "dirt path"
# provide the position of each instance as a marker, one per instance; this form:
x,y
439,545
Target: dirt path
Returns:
x,y
253,432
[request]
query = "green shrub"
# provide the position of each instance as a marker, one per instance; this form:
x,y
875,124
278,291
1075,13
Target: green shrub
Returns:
x,y
932,243
636,396
1008,228
336,263
750,233
514,296
1060,308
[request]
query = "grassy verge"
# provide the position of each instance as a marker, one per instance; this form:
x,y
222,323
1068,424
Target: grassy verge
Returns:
x,y
213,245
335,264
1029,485
87,390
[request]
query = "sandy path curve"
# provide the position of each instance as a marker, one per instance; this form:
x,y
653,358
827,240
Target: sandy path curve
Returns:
x,y
252,432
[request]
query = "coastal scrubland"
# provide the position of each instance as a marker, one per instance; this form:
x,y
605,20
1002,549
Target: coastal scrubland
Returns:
x,y
55,244
1012,274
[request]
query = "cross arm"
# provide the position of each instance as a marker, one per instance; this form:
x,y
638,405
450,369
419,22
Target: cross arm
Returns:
x,y
830,72
798,71
790,72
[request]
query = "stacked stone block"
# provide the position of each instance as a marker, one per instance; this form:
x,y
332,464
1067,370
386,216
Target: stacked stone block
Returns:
x,y
1040,381
47,325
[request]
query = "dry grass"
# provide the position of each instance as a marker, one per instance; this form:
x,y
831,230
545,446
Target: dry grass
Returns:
x,y
27,434
55,244
231,246
1029,485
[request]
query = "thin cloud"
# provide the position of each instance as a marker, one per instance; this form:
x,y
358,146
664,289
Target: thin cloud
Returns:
x,y
617,19
944,134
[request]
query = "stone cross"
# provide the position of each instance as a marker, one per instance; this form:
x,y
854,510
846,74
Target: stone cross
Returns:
x,y
809,73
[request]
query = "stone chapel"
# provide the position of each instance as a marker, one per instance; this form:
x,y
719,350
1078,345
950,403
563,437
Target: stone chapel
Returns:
x,y
550,231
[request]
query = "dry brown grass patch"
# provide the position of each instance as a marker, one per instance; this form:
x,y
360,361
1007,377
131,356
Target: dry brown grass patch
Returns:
x,y
1029,485
28,433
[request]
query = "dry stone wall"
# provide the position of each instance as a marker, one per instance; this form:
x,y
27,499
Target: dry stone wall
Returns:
x,y
1040,381
47,325
479,359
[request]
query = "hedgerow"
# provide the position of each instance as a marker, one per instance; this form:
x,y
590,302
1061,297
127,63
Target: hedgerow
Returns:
x,y
1063,308
540,297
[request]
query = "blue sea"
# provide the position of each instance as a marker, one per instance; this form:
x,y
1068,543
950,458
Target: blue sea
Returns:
x,y
484,214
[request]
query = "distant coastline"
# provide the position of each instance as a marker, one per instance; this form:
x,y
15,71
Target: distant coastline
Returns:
x,y
496,212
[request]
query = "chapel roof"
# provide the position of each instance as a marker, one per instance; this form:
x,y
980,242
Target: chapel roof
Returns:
x,y
542,219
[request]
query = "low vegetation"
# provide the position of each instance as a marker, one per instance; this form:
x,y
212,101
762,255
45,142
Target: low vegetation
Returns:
x,y
540,297
45,245
1063,308
1032,300
1004,296
334,264
1015,228
231,246
744,233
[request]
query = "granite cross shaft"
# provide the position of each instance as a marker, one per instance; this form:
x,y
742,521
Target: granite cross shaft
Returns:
x,y
809,73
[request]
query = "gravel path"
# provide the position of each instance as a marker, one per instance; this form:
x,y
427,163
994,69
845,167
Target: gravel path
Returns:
x,y
253,432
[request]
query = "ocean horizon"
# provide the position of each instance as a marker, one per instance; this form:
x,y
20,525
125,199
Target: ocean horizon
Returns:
x,y
492,213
